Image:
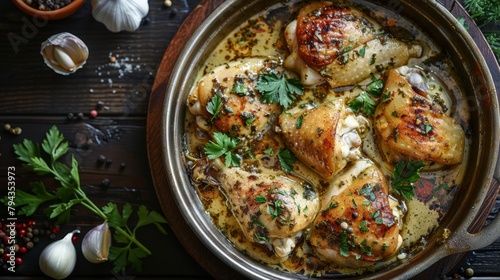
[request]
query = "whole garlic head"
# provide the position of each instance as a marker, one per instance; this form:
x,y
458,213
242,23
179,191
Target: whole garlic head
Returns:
x,y
64,53
120,15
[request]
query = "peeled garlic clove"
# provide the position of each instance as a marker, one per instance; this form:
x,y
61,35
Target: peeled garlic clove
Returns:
x,y
96,243
120,15
64,53
58,259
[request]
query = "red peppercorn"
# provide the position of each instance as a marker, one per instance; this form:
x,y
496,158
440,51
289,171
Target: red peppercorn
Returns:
x,y
6,256
55,230
22,249
93,113
31,223
22,232
18,261
74,239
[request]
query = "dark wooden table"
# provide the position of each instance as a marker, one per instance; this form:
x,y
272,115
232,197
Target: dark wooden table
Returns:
x,y
34,98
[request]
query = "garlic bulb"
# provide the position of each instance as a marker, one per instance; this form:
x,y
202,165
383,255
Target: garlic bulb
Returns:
x,y
96,243
64,53
58,259
119,15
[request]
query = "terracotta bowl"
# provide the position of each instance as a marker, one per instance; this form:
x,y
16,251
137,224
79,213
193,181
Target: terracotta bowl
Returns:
x,y
49,15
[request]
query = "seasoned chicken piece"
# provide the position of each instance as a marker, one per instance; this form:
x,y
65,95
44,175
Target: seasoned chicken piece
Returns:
x,y
341,45
410,126
357,227
270,207
227,98
324,138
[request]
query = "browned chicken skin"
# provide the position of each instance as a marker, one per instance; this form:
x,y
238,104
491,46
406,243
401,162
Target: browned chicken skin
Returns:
x,y
357,227
410,126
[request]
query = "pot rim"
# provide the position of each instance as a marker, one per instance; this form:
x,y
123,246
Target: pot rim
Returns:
x,y
199,221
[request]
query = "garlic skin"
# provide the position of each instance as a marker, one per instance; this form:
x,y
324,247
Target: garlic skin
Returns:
x,y
64,53
120,15
58,259
96,243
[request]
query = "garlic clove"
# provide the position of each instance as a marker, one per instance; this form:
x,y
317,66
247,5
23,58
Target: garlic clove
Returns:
x,y
120,15
64,53
58,259
96,243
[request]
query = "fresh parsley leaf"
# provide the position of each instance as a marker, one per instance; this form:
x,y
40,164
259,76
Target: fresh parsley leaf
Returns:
x,y
260,199
27,150
405,174
54,144
28,203
286,159
344,248
362,103
362,51
214,106
300,119
239,88
278,89
375,88
223,146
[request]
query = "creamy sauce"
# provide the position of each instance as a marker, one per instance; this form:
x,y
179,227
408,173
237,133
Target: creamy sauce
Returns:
x,y
262,36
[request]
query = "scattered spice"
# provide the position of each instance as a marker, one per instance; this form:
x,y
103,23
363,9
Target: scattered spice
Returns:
x,y
93,113
48,5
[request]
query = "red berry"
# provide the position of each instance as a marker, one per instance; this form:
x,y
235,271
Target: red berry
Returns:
x,y
22,232
55,230
18,261
93,113
22,250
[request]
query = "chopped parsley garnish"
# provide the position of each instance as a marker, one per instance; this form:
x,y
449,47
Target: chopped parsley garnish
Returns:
x,y
363,226
405,174
214,106
239,88
278,89
275,210
260,199
344,248
223,146
362,51
298,124
332,205
362,103
375,88
287,159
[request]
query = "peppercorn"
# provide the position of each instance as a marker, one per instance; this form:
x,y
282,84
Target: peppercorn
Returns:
x,y
469,272
71,116
100,104
16,130
123,165
29,245
93,114
7,127
109,161
105,182
79,116
101,159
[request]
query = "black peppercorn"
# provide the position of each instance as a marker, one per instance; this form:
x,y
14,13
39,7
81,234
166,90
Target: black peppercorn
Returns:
x,y
105,182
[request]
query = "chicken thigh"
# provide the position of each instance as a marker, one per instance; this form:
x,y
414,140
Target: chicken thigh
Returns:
x,y
271,207
341,45
410,126
357,227
324,137
227,98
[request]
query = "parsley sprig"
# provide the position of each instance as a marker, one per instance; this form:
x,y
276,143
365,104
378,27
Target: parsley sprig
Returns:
x,y
276,88
484,13
364,101
405,174
223,146
70,194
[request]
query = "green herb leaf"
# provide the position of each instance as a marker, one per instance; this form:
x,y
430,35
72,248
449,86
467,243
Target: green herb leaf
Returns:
x,y
214,107
362,103
362,51
260,199
27,203
286,159
300,119
375,88
26,150
223,146
275,89
405,174
344,248
239,88
54,144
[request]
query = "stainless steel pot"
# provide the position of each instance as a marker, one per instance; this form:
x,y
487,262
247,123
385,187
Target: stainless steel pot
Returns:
x,y
485,123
